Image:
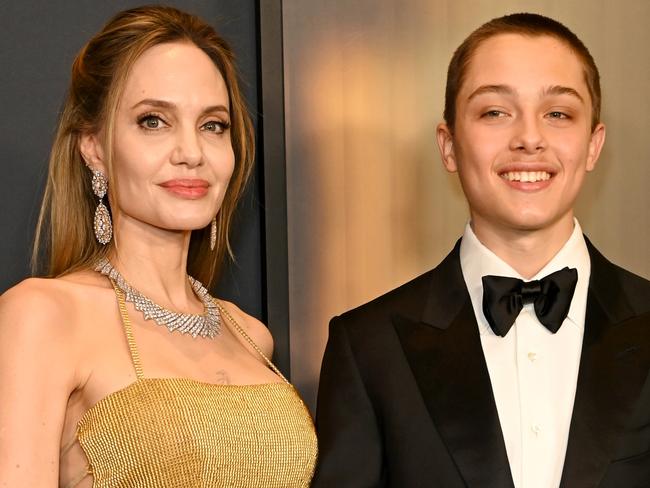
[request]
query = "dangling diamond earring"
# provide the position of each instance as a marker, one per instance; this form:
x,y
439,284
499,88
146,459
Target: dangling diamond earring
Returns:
x,y
103,224
213,233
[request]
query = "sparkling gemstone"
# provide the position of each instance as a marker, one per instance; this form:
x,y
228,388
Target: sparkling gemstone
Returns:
x,y
103,226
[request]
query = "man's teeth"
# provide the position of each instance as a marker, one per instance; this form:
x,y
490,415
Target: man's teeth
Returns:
x,y
526,176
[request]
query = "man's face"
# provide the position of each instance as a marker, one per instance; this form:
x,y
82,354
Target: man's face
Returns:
x,y
522,140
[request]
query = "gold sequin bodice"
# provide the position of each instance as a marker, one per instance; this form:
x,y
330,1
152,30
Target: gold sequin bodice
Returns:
x,y
169,432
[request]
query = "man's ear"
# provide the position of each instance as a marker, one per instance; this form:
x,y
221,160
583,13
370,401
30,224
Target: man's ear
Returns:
x,y
446,146
92,151
595,146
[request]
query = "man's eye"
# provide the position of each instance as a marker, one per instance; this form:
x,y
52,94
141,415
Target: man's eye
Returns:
x,y
493,114
558,115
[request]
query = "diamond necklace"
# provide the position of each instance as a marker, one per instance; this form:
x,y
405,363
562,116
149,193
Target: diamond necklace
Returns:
x,y
207,324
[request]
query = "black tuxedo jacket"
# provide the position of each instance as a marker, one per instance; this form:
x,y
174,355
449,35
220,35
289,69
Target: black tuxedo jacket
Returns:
x,y
405,398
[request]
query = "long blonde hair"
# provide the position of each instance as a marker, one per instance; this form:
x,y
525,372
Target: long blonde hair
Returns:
x,y
65,240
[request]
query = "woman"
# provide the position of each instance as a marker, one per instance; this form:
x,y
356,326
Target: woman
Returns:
x,y
120,369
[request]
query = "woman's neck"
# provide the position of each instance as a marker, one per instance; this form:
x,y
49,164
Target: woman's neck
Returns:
x,y
154,262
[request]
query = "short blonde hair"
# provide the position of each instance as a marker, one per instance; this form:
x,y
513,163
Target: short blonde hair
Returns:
x,y
64,236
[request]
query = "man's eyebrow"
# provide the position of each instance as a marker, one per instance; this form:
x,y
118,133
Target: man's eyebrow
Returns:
x,y
562,90
498,89
154,102
508,90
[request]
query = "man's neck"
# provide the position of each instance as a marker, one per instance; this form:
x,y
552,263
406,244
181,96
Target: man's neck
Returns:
x,y
526,251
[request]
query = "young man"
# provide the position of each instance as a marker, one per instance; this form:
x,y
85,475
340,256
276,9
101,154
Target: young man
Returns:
x,y
522,359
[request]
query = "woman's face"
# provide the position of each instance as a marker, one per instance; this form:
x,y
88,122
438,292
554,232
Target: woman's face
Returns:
x,y
172,156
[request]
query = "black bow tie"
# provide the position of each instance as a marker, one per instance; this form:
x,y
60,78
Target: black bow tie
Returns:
x,y
503,299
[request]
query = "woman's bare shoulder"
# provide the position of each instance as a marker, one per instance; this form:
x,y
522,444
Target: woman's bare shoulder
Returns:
x,y
40,363
47,302
256,330
37,340
32,299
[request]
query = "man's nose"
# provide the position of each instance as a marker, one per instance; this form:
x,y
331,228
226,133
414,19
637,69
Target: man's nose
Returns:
x,y
528,135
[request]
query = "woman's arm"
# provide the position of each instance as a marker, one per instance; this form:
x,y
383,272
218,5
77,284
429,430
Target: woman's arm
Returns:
x,y
37,374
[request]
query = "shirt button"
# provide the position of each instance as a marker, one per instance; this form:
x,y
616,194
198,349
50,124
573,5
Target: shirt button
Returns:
x,y
532,356
536,429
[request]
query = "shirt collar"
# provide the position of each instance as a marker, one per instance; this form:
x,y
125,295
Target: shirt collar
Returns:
x,y
476,261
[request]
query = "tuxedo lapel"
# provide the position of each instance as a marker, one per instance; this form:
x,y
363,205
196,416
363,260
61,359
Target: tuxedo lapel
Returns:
x,y
613,369
444,352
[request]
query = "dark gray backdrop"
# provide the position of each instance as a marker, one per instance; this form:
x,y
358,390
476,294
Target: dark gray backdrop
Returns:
x,y
38,42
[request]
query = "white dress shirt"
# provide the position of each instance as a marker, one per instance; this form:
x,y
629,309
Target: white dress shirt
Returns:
x,y
533,372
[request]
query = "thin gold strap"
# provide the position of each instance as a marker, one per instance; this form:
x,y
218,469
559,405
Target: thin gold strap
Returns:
x,y
243,333
65,448
80,477
133,349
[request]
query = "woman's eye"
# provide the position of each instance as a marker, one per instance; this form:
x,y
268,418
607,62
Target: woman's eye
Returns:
x,y
215,126
151,122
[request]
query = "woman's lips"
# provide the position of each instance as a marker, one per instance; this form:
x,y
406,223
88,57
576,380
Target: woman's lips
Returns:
x,y
187,188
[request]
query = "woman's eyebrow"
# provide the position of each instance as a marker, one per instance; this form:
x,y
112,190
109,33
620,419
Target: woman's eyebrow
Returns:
x,y
216,108
154,102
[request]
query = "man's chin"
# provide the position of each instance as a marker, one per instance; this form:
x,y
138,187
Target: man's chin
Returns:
x,y
536,222
522,222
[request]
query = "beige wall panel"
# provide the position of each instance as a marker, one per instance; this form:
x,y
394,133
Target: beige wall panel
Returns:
x,y
369,203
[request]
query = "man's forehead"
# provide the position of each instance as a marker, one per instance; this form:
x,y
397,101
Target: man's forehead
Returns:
x,y
519,62
527,42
